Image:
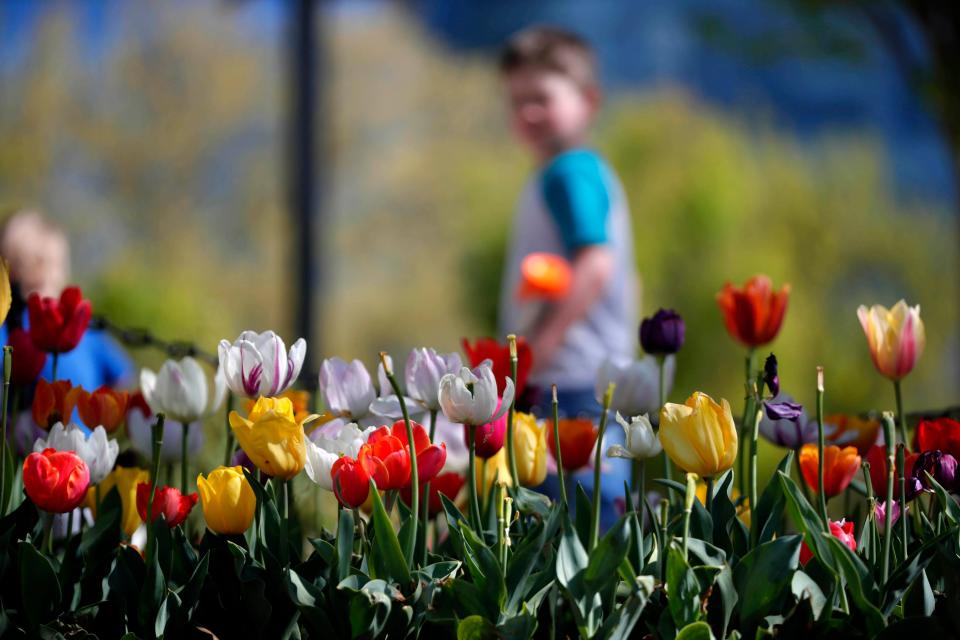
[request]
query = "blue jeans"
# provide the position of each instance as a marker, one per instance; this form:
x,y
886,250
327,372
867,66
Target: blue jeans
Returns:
x,y
580,403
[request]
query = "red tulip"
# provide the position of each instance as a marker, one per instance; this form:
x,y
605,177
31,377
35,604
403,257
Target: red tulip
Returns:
x,y
387,459
753,314
842,531
449,484
488,437
56,481
499,354
56,326
27,361
168,501
430,457
942,434
877,457
577,439
351,481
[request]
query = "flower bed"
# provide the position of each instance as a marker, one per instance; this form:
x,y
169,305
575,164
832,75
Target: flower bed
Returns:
x,y
722,553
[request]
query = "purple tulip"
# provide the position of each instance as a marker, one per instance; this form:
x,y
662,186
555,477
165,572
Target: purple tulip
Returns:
x,y
770,376
783,410
880,512
788,433
941,466
663,333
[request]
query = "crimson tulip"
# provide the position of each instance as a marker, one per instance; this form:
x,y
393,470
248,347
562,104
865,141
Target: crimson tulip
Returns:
x,y
499,354
56,481
351,481
448,483
56,326
842,531
753,314
488,438
430,457
387,459
877,457
27,361
168,501
942,434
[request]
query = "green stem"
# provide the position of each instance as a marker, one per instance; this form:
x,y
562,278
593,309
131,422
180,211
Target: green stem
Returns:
x,y
598,458
556,448
754,436
228,449
472,481
820,492
285,522
688,509
53,376
511,454
871,502
183,458
157,433
410,551
48,535
664,538
748,402
641,478
667,465
888,506
800,479
903,494
7,368
709,505
901,416
426,493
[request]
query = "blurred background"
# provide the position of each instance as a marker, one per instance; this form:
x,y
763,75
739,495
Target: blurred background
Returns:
x,y
816,142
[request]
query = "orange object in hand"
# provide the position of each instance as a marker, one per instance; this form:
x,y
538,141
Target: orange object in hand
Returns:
x,y
544,275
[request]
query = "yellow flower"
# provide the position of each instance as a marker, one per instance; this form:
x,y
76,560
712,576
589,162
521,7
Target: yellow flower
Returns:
x,y
494,468
530,448
125,479
272,437
6,297
228,500
896,337
699,435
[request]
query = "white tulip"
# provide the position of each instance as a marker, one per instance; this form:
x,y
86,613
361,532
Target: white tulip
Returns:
x,y
470,397
179,390
140,430
98,451
324,447
258,365
347,389
424,369
637,383
642,443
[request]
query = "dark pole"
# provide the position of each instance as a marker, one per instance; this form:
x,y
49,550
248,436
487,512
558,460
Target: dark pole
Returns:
x,y
304,174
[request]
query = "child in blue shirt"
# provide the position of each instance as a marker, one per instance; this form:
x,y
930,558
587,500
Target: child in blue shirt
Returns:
x,y
572,206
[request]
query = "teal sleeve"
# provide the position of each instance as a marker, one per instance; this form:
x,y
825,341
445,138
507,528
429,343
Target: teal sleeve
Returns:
x,y
576,196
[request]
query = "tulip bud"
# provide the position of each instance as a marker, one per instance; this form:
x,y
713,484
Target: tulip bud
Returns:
x,y
770,376
663,333
841,530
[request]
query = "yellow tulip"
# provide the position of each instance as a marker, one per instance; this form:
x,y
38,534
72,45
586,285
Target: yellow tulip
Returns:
x,y
530,448
896,337
272,437
125,479
6,297
496,468
699,435
228,500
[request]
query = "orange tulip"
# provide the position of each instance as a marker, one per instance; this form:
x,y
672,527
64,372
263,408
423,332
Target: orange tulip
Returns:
x,y
839,467
853,431
753,314
544,275
53,402
105,407
577,439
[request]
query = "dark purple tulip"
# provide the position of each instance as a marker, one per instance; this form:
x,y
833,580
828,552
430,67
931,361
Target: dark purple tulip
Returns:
x,y
942,466
783,410
662,333
770,376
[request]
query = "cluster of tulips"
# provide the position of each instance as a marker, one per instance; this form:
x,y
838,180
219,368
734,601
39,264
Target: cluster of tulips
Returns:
x,y
404,448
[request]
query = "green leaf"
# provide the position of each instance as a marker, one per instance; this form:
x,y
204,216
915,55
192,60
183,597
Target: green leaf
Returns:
x,y
723,511
152,593
863,591
623,619
39,587
808,520
908,571
571,565
803,587
763,578
949,506
769,508
920,600
8,479
386,557
525,557
476,628
684,589
344,543
484,568
522,625
583,515
607,557
695,631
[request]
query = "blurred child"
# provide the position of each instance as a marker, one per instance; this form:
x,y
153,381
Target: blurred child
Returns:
x,y
573,206
39,257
